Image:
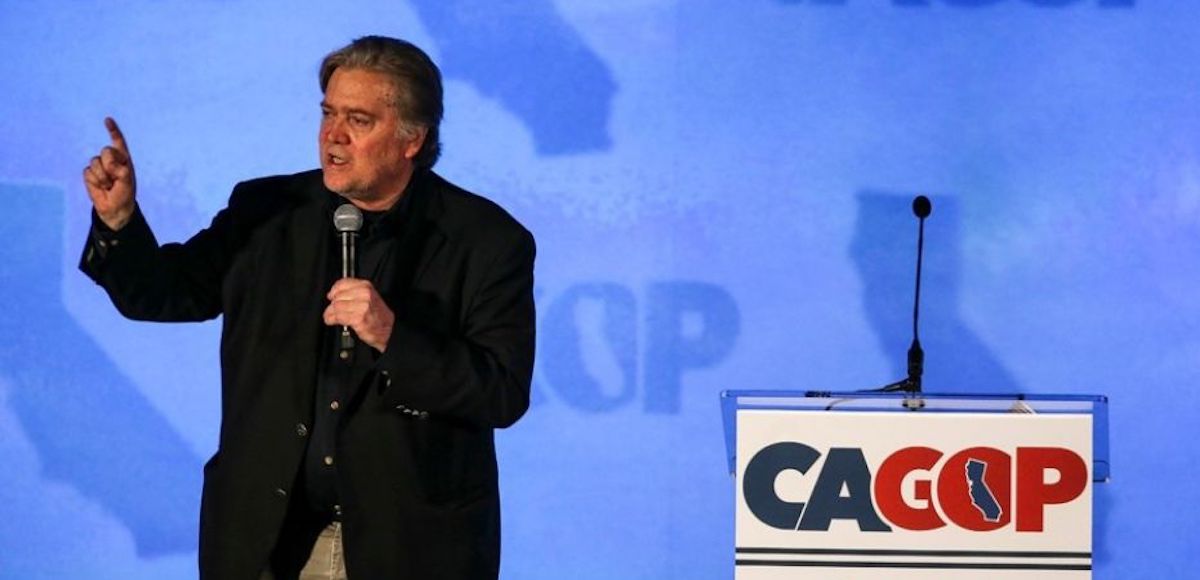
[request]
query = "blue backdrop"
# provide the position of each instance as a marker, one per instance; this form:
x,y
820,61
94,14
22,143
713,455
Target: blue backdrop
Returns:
x,y
720,194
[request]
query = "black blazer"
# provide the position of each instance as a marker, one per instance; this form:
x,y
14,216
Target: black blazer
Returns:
x,y
417,473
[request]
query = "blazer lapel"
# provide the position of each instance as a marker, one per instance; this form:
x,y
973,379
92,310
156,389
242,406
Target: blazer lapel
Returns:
x,y
421,238
309,237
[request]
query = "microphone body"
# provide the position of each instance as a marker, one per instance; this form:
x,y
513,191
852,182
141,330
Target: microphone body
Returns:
x,y
349,261
347,220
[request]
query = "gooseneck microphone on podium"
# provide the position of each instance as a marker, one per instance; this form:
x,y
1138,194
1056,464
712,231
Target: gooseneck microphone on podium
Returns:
x,y
347,220
921,207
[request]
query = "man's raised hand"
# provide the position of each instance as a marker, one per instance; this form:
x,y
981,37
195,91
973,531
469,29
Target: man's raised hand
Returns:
x,y
110,180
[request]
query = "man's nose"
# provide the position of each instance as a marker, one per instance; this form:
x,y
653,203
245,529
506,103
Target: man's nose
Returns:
x,y
335,132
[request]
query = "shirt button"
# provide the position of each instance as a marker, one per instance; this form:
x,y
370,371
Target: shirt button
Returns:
x,y
328,460
337,510
345,354
334,405
301,429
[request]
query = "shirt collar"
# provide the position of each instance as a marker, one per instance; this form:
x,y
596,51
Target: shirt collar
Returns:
x,y
388,219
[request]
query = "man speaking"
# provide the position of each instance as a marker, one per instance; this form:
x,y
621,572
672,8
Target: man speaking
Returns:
x,y
363,366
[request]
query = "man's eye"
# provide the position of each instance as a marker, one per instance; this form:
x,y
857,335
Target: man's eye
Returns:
x,y
360,121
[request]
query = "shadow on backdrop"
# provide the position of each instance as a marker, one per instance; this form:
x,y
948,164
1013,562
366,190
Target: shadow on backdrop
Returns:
x,y
956,359
524,55
884,251
91,427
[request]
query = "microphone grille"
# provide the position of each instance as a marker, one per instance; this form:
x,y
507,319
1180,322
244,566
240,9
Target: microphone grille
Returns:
x,y
922,207
347,218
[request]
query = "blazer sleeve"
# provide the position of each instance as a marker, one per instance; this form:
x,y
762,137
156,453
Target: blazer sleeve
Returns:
x,y
483,375
176,282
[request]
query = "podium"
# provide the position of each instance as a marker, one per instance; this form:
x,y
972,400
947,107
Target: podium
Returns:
x,y
841,486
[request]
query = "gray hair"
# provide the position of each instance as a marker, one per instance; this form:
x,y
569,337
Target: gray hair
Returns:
x,y
418,83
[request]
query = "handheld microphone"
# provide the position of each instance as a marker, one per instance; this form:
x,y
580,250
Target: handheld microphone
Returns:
x,y
347,220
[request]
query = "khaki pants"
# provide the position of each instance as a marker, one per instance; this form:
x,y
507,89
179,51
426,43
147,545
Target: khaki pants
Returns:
x,y
327,561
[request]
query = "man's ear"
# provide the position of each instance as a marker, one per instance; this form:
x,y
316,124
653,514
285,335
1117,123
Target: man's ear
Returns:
x,y
413,146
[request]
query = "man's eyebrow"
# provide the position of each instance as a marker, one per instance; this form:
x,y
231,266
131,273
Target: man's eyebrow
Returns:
x,y
348,110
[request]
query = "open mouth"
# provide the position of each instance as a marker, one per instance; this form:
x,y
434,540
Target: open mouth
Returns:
x,y
336,160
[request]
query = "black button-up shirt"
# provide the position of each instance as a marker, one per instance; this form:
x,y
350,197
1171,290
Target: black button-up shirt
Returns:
x,y
377,245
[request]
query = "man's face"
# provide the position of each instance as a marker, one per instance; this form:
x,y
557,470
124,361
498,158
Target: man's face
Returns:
x,y
364,154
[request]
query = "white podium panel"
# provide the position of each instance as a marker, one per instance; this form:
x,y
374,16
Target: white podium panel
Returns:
x,y
931,495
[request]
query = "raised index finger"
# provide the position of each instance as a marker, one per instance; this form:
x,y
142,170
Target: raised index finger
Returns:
x,y
114,133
